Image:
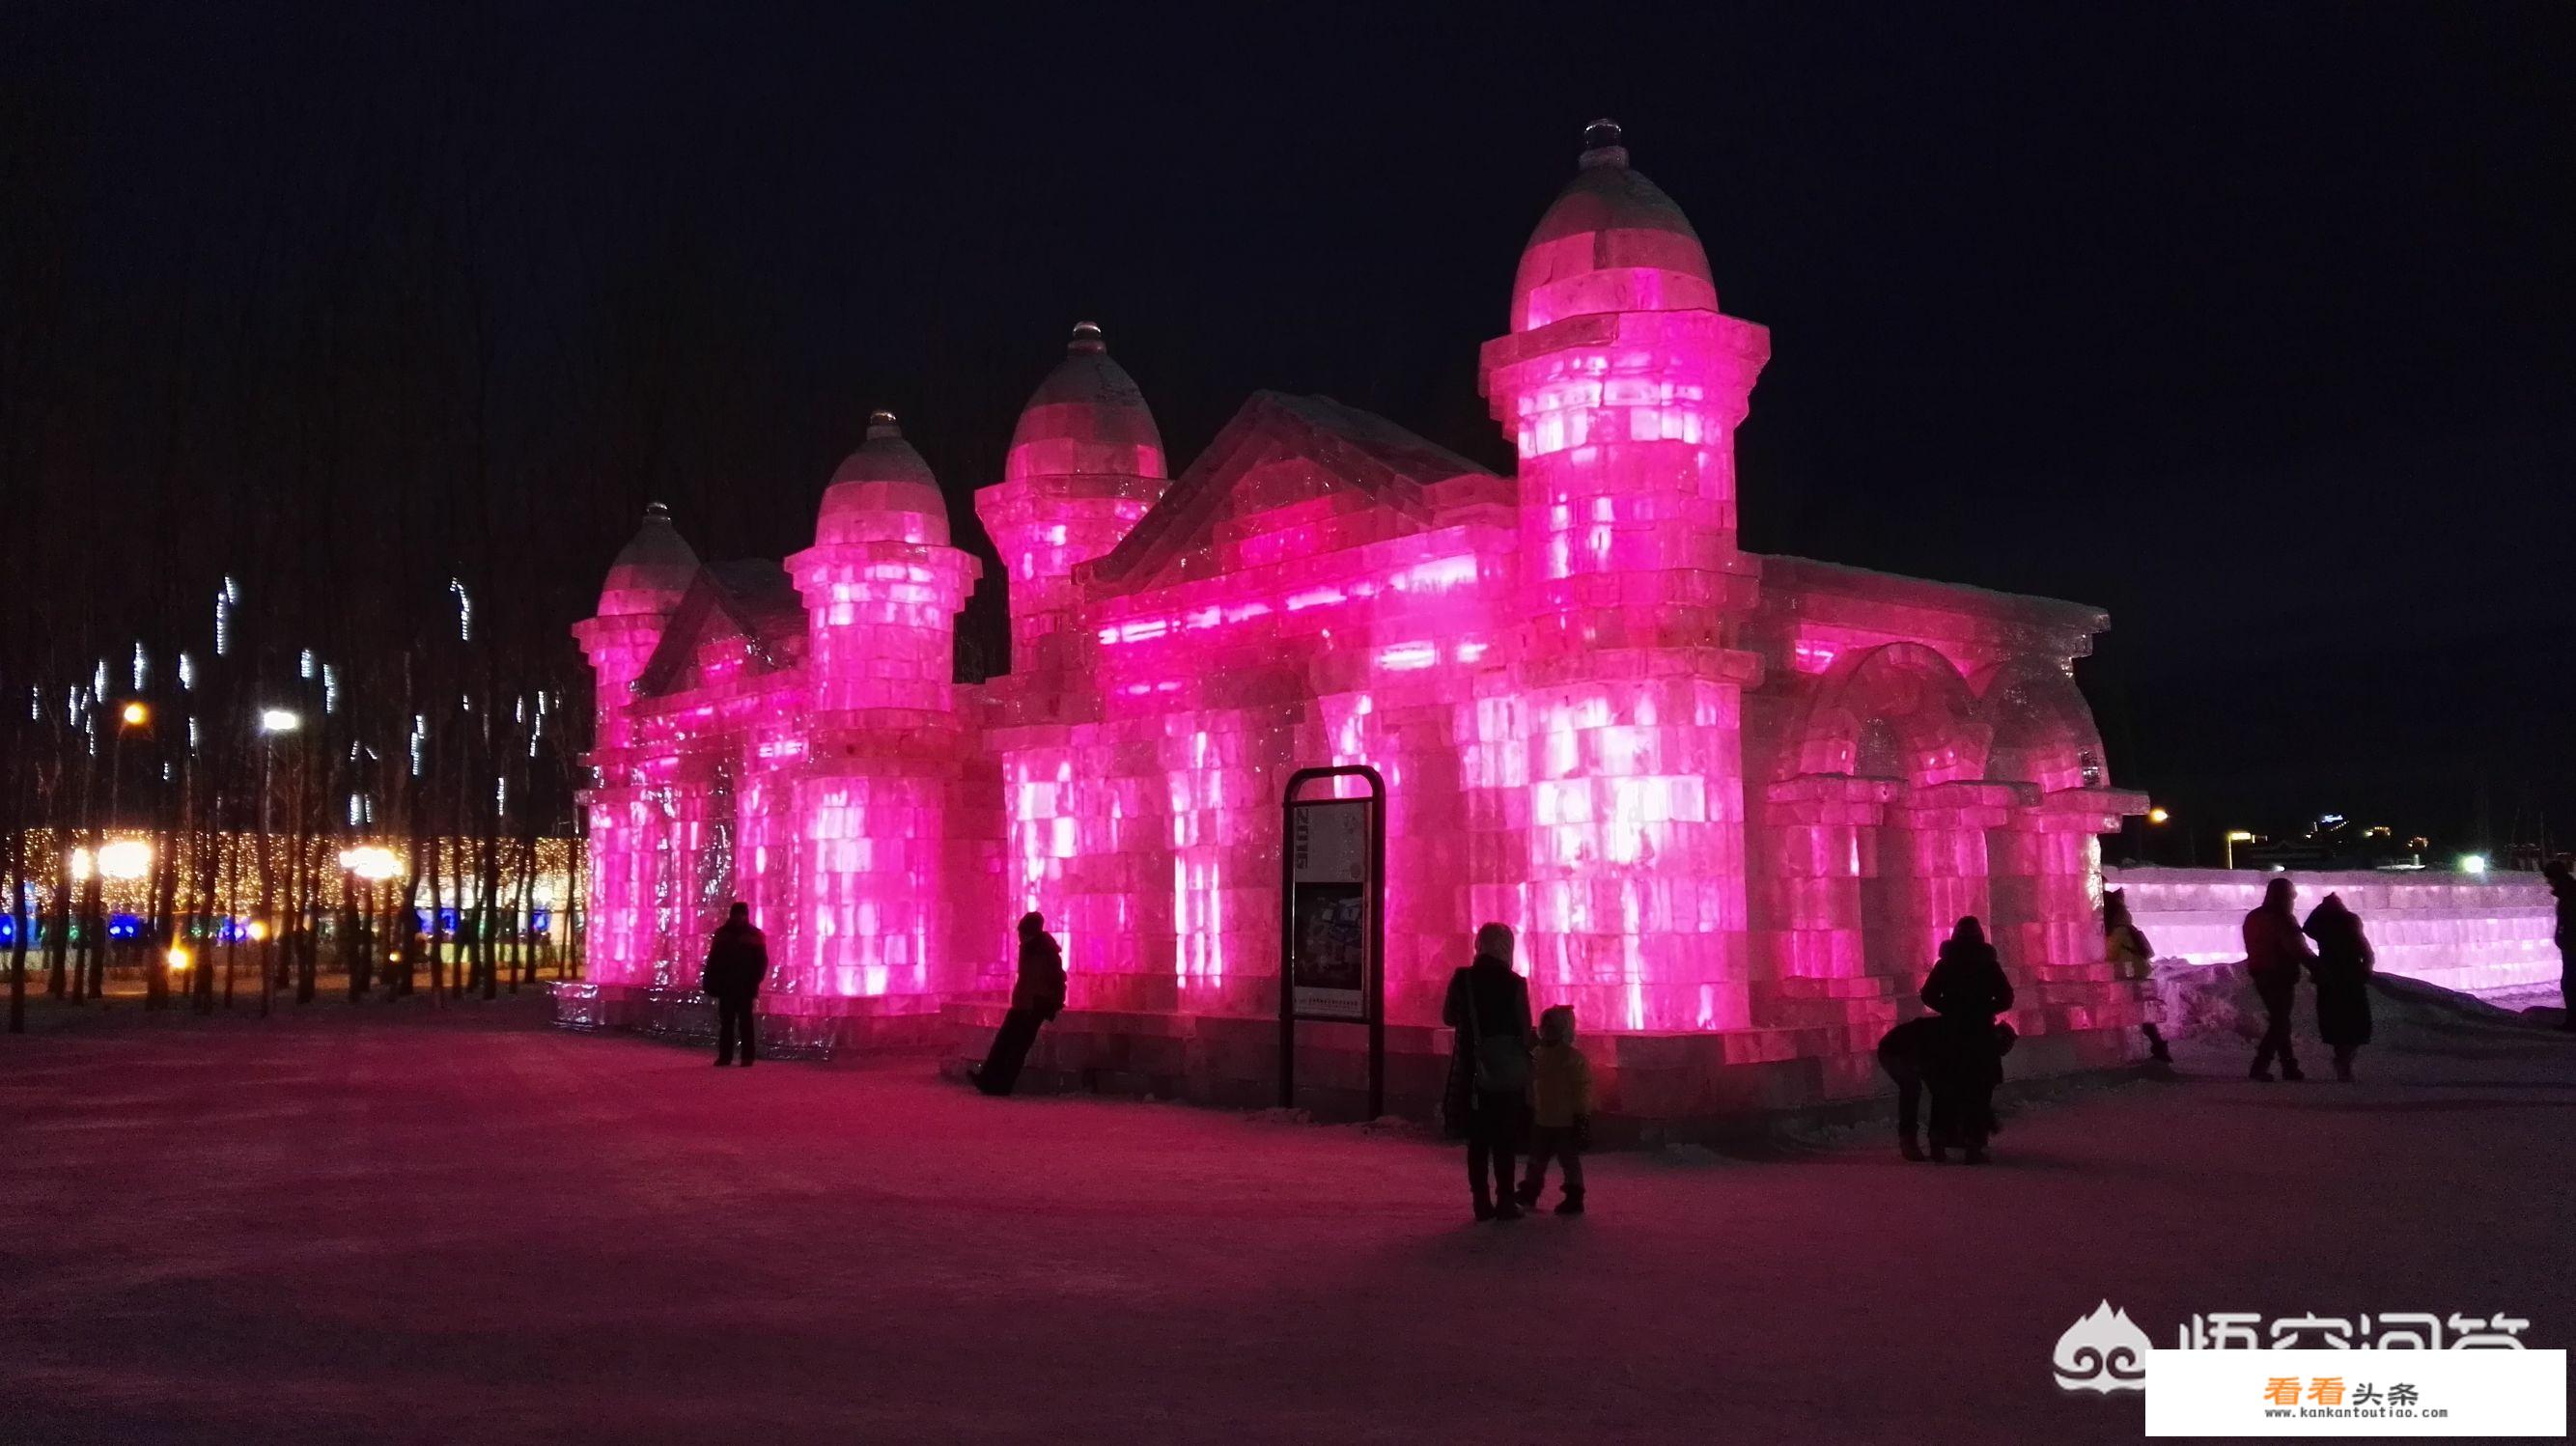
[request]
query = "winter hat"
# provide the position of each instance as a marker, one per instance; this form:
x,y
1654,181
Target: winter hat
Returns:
x,y
1556,1024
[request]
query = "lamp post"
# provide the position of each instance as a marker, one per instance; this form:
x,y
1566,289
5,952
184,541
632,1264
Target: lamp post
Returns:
x,y
2234,837
272,722
131,716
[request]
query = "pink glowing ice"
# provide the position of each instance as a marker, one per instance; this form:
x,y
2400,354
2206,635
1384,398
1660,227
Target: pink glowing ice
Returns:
x,y
1713,791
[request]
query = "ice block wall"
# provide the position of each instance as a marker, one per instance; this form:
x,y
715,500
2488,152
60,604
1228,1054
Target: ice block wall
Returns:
x,y
2479,934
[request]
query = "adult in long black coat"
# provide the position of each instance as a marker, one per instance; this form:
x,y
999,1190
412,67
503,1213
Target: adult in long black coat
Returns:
x,y
2342,972
1967,989
1489,1007
737,962
1036,997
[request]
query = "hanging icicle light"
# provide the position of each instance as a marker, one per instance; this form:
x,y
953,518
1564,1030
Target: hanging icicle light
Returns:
x,y
187,673
192,734
142,666
330,689
304,665
464,610
98,681
224,619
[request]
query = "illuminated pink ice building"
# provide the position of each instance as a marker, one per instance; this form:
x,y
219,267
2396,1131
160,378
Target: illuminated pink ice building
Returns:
x,y
1729,801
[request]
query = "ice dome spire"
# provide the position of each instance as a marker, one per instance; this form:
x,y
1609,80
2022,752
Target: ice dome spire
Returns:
x,y
652,570
1086,418
883,492
1613,241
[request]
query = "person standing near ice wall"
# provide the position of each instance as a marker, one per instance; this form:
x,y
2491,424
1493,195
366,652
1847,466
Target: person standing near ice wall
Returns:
x,y
1036,997
2342,972
1489,1006
737,961
2126,946
2562,883
2275,952
1967,988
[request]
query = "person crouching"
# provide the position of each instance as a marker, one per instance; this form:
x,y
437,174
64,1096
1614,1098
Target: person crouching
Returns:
x,y
1561,1097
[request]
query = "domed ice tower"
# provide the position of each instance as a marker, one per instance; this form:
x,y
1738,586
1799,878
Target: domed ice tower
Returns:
x,y
1086,462
1621,385
642,592
1085,465
884,735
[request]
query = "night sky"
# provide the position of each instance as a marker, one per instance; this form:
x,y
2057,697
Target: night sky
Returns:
x,y
2251,324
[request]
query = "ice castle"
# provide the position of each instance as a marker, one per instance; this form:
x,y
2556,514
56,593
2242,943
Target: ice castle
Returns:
x,y
1729,801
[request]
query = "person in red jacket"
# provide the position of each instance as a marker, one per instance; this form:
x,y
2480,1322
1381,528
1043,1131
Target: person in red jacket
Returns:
x,y
2276,953
737,961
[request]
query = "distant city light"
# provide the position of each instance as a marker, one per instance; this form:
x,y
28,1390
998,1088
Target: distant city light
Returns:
x,y
371,862
125,858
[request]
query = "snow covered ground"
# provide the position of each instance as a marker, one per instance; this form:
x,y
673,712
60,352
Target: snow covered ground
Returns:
x,y
373,1225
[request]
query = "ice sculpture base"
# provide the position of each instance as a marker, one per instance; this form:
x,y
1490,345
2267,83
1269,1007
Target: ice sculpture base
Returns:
x,y
791,1026
1654,1087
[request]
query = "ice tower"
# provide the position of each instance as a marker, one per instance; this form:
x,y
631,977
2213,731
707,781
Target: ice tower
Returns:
x,y
885,738
1621,385
644,589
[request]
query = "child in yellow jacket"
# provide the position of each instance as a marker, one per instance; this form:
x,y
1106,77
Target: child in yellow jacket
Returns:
x,y
1561,1097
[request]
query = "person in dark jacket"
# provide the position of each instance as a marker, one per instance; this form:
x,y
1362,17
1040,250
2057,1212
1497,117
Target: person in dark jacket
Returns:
x,y
2562,883
2342,973
1489,1075
1036,997
1967,989
737,962
2275,952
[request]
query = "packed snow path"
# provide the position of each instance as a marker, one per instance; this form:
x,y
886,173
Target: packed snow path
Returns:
x,y
371,1224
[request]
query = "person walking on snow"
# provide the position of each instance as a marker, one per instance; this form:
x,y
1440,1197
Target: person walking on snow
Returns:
x,y
1036,997
1489,1075
737,961
2342,973
2275,952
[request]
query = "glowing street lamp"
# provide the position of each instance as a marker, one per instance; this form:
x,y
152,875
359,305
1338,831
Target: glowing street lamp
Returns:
x,y
2234,837
180,958
2473,863
279,720
2157,815
134,715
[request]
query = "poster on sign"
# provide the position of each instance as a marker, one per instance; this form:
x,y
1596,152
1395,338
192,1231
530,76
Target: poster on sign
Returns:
x,y
1329,900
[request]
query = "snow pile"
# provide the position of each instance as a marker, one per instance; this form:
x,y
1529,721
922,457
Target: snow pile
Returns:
x,y
2220,999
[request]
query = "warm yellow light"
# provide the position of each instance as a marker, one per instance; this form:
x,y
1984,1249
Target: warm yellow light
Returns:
x,y
2157,815
125,858
135,715
2238,835
372,863
180,958
80,866
258,930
